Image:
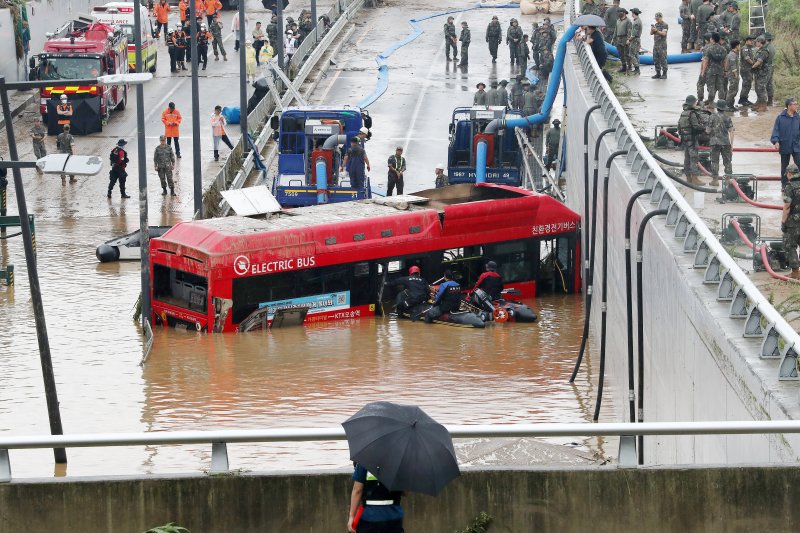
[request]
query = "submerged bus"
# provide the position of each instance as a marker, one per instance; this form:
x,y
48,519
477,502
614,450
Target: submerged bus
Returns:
x,y
335,259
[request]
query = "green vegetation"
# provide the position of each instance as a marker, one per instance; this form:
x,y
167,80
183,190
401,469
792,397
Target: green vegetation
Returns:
x,y
168,528
783,21
479,524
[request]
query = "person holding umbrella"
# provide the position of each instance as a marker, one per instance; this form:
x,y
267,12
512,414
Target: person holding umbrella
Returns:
x,y
373,507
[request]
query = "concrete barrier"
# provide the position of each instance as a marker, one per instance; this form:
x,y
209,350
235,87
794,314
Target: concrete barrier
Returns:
x,y
575,499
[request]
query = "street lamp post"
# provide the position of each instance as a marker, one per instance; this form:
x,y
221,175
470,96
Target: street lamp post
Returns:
x,y
243,78
196,162
280,36
144,230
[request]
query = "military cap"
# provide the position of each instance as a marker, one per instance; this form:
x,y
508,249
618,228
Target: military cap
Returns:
x,y
659,15
636,11
792,172
734,5
623,11
722,105
691,99
760,39
464,23
480,85
503,82
494,17
493,83
556,122
768,35
449,19
750,37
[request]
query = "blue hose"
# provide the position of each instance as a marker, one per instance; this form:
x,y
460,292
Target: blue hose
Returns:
x,y
480,162
322,181
672,59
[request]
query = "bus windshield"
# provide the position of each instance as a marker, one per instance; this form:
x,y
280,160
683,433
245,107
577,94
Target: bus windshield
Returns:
x,y
69,68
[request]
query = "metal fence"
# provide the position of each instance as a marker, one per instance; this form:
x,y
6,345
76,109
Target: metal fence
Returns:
x,y
236,168
219,440
758,317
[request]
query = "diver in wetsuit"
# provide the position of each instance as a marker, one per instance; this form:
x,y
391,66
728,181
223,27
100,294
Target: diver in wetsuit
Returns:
x,y
448,298
490,281
415,291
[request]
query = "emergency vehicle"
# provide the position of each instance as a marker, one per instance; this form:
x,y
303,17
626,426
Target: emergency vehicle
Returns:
x,y
81,49
120,15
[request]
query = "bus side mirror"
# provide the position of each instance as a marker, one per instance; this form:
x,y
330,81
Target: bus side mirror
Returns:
x,y
367,119
32,63
451,128
274,122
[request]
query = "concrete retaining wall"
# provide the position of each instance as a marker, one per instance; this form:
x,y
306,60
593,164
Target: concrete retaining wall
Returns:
x,y
599,499
697,364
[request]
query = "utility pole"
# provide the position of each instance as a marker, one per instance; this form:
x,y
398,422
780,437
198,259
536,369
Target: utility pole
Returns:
x,y
279,47
243,79
144,230
314,17
196,163
51,395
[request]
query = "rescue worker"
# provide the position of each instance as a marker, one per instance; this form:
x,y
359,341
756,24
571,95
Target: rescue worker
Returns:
x,y
494,36
65,144
171,118
397,166
354,161
790,221
203,36
440,178
502,93
218,124
119,160
64,112
415,291
771,67
622,33
450,40
513,40
164,162
712,69
490,282
212,8
183,10
373,498
447,299
552,140
161,11
686,25
465,38
746,60
216,38
258,41
480,94
689,127
720,128
732,74
491,94
179,40
659,33
760,70
38,134
172,51
635,40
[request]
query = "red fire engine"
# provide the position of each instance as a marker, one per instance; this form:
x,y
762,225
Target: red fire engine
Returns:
x,y
82,49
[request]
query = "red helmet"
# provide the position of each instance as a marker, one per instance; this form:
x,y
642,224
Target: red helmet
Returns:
x,y
413,270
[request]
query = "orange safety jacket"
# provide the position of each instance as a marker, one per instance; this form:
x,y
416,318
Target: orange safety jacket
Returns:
x,y
162,12
212,6
64,111
172,121
183,7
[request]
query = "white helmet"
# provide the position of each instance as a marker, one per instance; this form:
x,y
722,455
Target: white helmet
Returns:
x,y
439,166
203,26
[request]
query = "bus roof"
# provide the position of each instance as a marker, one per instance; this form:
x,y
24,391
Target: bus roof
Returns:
x,y
453,211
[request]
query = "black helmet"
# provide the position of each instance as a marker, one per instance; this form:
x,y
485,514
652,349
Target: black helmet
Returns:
x,y
491,266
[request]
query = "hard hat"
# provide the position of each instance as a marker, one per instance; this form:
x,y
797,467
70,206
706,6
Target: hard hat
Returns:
x,y
363,130
722,105
439,166
691,99
491,265
413,270
203,25
63,97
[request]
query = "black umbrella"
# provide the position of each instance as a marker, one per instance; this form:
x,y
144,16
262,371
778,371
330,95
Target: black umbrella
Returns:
x,y
402,446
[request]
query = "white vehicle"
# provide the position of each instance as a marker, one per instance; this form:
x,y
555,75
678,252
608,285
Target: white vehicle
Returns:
x,y
120,14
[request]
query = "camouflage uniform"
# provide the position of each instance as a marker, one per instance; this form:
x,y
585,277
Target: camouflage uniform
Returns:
x,y
686,26
791,228
37,135
732,73
770,70
492,98
611,16
516,95
529,102
660,48
494,36
64,144
536,45
514,40
546,66
164,160
502,93
450,40
695,38
635,43
701,78
216,33
746,60
621,35
465,38
715,82
272,32
551,142
689,125
761,73
719,127
704,11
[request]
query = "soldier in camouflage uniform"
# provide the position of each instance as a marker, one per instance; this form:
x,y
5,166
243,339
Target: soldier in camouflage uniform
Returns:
x,y
790,222
491,94
686,25
746,60
611,16
704,12
635,40
659,33
450,39
529,102
516,93
732,74
622,35
590,8
514,40
701,78
272,31
547,35
696,40
546,66
480,94
38,133
689,126
502,93
712,69
216,34
494,36
761,73
771,69
465,38
536,45
551,141
720,127
733,22
65,144
164,161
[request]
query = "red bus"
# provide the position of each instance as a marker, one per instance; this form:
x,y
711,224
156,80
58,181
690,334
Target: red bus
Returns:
x,y
336,258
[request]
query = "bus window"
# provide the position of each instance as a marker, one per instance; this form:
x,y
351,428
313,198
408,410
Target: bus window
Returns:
x,y
466,264
179,288
362,291
516,260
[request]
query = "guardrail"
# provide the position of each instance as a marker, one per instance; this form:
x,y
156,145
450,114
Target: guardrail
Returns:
x,y
535,174
219,440
747,303
235,170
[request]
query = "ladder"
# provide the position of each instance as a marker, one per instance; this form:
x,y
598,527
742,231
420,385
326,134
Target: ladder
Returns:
x,y
757,20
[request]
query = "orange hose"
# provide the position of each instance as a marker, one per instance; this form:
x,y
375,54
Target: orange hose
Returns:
x,y
744,197
762,250
735,149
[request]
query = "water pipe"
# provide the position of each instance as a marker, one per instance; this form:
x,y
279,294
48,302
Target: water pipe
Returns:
x,y
604,301
480,161
762,250
743,196
333,141
749,149
672,59
592,240
685,183
664,160
629,299
640,319
586,190
322,180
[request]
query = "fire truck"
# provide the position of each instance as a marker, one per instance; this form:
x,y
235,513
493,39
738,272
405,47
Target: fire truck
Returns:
x,y
81,49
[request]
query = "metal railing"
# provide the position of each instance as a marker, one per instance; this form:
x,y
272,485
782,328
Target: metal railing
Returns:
x,y
747,303
219,440
535,175
235,169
